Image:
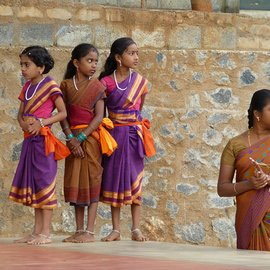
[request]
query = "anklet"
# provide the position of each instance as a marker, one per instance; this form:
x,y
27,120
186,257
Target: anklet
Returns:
x,y
88,232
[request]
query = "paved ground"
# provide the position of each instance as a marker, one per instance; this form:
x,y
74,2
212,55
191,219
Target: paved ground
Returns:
x,y
127,255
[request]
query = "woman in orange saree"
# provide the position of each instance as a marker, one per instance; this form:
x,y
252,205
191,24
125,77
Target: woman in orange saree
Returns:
x,y
249,156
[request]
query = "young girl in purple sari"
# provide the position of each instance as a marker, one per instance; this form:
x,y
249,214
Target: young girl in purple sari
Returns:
x,y
123,170
34,182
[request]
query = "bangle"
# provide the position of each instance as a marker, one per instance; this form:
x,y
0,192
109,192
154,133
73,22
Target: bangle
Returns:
x,y
41,122
70,136
81,137
65,128
234,188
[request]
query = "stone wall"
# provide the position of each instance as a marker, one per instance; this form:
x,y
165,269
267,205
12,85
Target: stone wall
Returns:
x,y
203,68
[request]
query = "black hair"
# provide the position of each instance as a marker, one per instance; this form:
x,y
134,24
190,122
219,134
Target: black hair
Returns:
x,y
78,52
40,56
258,101
118,47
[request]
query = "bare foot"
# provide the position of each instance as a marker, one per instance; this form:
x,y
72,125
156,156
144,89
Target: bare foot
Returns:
x,y
113,236
25,239
73,236
136,235
85,237
40,239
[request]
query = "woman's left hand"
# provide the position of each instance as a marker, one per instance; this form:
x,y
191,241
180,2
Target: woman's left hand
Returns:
x,y
34,128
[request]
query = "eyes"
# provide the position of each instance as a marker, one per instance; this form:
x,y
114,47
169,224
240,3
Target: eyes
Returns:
x,y
90,61
25,64
133,53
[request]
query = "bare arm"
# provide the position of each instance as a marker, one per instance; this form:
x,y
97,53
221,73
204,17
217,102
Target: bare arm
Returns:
x,y
228,189
99,113
142,102
225,186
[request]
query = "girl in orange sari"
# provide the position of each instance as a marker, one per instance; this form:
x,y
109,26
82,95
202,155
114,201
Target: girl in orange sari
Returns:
x,y
84,98
249,156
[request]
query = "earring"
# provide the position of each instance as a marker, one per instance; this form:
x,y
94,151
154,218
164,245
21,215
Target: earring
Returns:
x,y
258,118
120,63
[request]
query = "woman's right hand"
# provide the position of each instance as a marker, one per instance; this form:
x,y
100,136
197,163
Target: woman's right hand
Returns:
x,y
75,147
259,180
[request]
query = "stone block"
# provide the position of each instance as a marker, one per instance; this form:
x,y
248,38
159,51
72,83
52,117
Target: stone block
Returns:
x,y
6,34
154,39
38,34
185,37
187,189
29,12
88,15
152,4
58,13
6,10
175,4
220,38
130,3
105,35
70,36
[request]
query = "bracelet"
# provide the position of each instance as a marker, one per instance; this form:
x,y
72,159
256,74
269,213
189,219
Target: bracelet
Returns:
x,y
65,128
81,137
41,122
70,136
234,188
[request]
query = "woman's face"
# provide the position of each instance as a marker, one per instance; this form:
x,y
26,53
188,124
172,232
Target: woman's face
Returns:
x,y
264,116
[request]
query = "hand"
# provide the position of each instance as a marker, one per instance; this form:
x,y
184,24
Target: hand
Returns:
x,y
259,180
73,143
78,152
34,128
75,147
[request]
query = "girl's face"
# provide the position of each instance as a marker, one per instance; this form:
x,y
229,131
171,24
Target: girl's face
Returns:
x,y
130,57
87,65
29,69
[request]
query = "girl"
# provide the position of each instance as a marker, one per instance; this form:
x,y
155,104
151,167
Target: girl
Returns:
x,y
249,156
84,98
34,181
123,171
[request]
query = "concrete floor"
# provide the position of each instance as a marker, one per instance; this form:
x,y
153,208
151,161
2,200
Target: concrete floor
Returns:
x,y
127,255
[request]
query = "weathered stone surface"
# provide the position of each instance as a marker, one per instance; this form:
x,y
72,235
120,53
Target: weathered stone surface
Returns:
x,y
193,233
215,201
6,34
39,34
16,151
186,189
175,4
212,137
150,201
69,36
185,37
88,15
247,77
6,10
172,208
154,39
224,228
130,3
218,118
59,13
29,12
220,38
